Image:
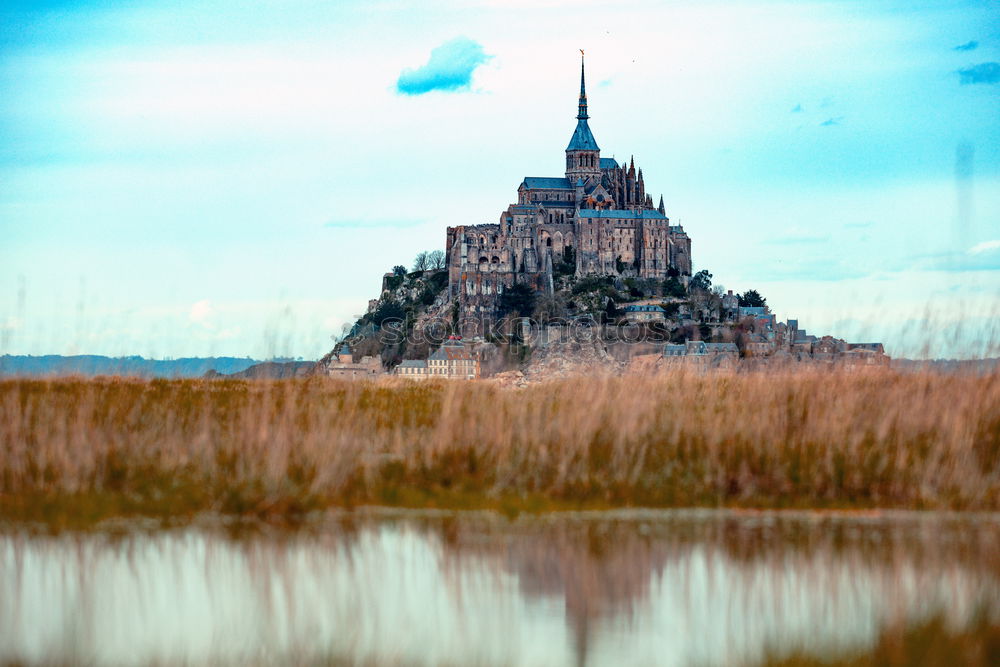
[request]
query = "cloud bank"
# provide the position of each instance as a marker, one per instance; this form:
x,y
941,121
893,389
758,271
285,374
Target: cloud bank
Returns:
x,y
449,68
968,46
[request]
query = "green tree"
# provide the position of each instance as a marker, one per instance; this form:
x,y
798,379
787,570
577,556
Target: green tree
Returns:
x,y
399,270
702,280
752,299
611,311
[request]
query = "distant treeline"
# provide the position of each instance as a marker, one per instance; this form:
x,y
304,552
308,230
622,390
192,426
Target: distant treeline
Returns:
x,y
134,366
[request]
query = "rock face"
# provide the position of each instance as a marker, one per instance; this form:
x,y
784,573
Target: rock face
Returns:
x,y
582,355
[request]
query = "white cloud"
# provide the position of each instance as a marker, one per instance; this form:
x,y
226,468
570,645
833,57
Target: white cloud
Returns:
x,y
984,247
200,313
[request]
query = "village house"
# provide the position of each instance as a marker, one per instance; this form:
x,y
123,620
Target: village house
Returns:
x,y
865,356
343,365
644,313
698,348
413,369
758,345
730,306
452,361
827,348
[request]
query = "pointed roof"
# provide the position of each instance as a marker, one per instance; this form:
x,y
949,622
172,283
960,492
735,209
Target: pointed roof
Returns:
x,y
583,138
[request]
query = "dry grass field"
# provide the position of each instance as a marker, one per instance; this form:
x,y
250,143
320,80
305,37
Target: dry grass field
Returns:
x,y
75,451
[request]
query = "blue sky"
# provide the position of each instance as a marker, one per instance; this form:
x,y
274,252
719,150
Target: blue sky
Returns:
x,y
206,179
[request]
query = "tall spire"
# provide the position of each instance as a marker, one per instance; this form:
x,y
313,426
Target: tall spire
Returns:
x,y
583,138
582,110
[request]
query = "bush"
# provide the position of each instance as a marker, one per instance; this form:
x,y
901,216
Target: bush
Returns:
x,y
593,284
752,299
673,287
390,310
439,281
633,288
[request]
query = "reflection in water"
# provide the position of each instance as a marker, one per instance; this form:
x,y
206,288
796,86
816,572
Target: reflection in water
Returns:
x,y
615,588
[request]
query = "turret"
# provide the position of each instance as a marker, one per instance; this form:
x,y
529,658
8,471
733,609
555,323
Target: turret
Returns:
x,y
661,208
630,189
583,156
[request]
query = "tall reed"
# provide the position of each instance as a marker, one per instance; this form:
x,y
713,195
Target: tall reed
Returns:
x,y
78,449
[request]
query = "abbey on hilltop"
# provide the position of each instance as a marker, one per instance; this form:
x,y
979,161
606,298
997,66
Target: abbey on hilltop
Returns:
x,y
597,216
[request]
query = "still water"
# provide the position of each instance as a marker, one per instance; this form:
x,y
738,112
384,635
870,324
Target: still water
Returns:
x,y
377,587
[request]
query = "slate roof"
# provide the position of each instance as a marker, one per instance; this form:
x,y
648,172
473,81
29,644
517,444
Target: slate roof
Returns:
x,y
546,183
608,163
450,351
631,215
583,138
413,363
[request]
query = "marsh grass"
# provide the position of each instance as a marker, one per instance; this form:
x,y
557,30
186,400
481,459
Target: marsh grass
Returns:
x,y
931,642
74,451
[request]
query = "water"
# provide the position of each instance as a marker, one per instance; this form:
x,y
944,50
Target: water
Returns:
x,y
690,587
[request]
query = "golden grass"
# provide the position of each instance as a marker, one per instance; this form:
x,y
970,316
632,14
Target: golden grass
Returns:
x,y
929,643
78,450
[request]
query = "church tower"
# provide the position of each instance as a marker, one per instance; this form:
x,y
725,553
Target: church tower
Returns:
x,y
583,157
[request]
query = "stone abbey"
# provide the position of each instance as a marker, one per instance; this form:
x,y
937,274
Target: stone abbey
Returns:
x,y
597,216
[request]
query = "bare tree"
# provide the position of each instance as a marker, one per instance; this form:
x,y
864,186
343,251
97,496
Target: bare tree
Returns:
x,y
421,262
435,259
